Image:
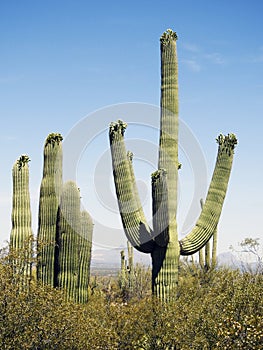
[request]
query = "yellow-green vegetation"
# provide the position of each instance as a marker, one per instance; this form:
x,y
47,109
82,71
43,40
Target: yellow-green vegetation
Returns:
x,y
221,309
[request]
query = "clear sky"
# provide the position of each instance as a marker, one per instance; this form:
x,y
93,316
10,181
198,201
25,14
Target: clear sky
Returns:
x,y
62,60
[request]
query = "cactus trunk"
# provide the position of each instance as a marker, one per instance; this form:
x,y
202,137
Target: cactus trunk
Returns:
x,y
50,192
21,236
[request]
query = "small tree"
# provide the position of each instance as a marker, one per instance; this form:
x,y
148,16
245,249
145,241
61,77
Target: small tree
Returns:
x,y
251,255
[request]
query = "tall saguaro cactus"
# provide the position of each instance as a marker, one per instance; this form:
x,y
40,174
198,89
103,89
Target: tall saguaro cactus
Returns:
x,y
162,241
21,236
74,243
50,192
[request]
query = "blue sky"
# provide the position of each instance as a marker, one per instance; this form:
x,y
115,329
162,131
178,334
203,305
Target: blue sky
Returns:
x,y
62,60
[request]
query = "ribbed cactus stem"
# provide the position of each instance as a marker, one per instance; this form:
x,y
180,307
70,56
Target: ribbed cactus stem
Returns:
x,y
50,192
168,148
160,207
214,249
84,256
69,240
165,268
21,236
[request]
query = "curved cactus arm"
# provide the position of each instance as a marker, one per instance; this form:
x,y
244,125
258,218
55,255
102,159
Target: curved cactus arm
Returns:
x,y
209,217
134,222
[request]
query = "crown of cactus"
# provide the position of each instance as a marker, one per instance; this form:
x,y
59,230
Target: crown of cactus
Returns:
x,y
162,241
21,236
50,191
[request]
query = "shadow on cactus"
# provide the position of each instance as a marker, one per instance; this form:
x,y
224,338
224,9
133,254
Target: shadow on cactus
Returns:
x,y
161,241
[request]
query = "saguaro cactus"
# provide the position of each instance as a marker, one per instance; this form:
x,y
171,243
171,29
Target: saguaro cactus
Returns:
x,y
69,239
50,192
84,256
74,242
162,241
21,236
209,261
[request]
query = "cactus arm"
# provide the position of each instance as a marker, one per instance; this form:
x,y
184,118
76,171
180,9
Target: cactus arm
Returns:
x,y
209,217
134,222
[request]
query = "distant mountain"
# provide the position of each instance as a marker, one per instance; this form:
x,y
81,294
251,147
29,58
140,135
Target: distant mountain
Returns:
x,y
229,260
111,259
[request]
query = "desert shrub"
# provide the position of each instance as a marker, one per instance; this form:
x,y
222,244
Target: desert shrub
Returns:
x,y
222,311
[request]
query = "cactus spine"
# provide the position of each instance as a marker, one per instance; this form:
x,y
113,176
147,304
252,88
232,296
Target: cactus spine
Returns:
x,y
162,242
21,236
50,192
